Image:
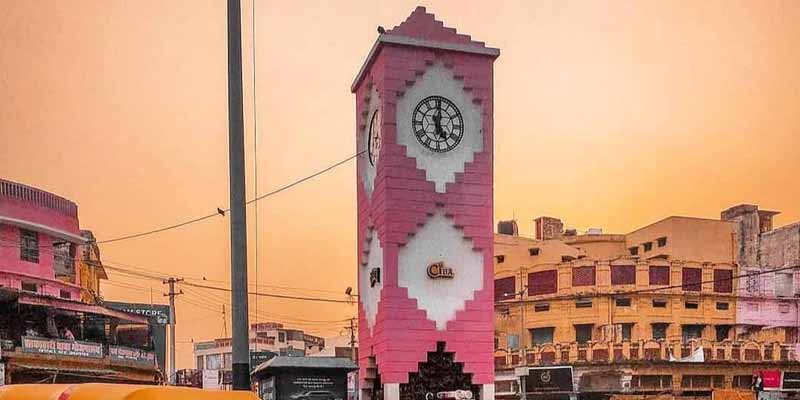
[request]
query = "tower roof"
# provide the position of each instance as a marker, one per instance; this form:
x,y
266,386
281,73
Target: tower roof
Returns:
x,y
422,29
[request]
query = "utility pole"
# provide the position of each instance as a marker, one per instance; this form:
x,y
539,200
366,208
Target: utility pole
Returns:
x,y
239,312
224,322
352,329
171,282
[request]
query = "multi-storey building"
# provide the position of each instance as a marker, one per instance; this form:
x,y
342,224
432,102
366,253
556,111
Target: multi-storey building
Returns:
x,y
634,313
52,323
267,339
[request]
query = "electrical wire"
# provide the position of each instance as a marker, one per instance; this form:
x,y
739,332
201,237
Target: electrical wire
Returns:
x,y
221,212
272,295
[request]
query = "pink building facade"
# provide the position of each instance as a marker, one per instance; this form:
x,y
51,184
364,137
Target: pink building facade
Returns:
x,y
424,104
39,240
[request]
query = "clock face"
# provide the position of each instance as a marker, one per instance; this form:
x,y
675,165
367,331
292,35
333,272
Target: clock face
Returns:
x,y
437,124
374,138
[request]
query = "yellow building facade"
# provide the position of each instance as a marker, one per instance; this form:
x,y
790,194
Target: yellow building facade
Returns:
x,y
630,312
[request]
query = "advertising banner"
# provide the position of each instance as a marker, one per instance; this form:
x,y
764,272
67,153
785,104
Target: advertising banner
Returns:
x,y
791,380
549,380
127,354
210,379
159,318
61,347
771,378
259,357
307,385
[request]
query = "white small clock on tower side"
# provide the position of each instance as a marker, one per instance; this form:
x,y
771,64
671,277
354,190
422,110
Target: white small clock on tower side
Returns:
x,y
372,139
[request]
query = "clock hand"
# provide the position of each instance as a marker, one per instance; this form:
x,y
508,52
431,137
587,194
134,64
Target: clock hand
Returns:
x,y
438,120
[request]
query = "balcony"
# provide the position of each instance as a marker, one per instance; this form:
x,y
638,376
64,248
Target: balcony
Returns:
x,y
647,350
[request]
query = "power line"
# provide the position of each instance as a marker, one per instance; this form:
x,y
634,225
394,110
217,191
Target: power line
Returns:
x,y
279,296
222,212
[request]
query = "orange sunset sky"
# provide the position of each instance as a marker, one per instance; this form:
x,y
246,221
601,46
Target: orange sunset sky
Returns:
x,y
607,114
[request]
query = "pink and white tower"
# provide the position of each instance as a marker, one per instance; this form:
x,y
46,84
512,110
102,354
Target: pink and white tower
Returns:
x,y
424,111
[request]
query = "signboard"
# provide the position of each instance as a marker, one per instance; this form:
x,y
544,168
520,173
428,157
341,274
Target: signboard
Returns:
x,y
438,270
127,354
61,347
259,357
210,379
549,380
266,389
771,379
2,374
159,317
791,380
307,385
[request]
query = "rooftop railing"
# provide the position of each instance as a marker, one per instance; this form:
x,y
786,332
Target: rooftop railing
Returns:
x,y
39,197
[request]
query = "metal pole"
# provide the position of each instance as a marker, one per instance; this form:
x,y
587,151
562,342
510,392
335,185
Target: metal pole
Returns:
x,y
239,312
171,281
352,340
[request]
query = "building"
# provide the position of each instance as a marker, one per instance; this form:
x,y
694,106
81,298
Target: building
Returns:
x,y
267,340
52,322
633,313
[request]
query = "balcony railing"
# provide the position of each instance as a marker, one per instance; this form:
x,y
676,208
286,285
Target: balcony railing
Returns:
x,y
39,197
646,350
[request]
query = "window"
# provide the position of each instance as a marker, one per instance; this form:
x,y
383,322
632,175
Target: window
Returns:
x,y
541,307
660,331
583,333
723,281
533,251
661,241
690,332
583,276
500,259
634,250
624,302
214,361
626,331
543,282
30,287
623,274
691,278
583,303
659,275
541,336
659,303
723,332
29,246
505,288
65,294
783,285
496,343
200,362
783,308
721,305
513,342
742,381
647,246
691,305
281,337
566,259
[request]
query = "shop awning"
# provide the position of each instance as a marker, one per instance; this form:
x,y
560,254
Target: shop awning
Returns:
x,y
61,304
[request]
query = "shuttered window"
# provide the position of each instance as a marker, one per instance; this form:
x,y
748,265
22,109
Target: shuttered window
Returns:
x,y
583,276
659,275
723,281
504,288
691,278
623,275
543,282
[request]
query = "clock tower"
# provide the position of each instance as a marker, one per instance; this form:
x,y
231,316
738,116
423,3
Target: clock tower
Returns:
x,y
424,105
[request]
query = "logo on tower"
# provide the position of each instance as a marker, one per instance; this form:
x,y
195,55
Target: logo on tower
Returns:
x,y
438,270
